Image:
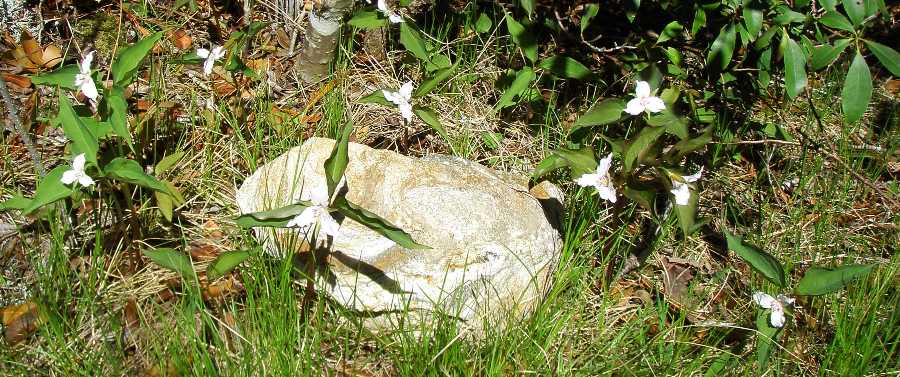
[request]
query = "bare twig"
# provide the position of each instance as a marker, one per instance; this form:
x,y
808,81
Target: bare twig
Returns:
x,y
20,129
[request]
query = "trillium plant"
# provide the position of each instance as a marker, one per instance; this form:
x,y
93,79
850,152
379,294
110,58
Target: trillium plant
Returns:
x,y
775,309
392,16
83,79
210,57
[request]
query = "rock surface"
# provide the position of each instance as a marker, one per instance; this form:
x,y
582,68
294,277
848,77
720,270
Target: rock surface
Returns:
x,y
493,241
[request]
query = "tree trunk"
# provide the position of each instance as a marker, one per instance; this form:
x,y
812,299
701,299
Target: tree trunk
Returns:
x,y
321,38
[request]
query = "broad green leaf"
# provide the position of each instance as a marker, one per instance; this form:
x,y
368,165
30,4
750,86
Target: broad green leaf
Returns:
x,y
828,4
856,10
687,214
590,11
644,198
168,162
765,340
673,124
432,82
337,162
581,161
431,118
129,60
766,39
412,40
130,171
522,82
722,48
565,66
172,259
824,55
640,145
686,146
671,30
83,140
819,281
63,77
608,111
50,189
18,202
528,5
118,114
522,38
367,19
788,16
794,67
276,218
225,262
165,204
836,20
376,223
548,164
438,62
376,97
857,89
888,57
699,21
753,21
761,261
483,24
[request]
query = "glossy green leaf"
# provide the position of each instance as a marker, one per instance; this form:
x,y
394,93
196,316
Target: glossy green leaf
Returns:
x,y
522,82
686,146
722,48
522,38
412,40
367,19
671,30
856,10
18,202
828,4
50,189
788,16
564,66
83,140
165,204
483,24
376,97
836,20
644,198
687,214
820,281
857,89
129,60
172,259
824,55
63,77
431,118
581,161
337,162
766,38
434,81
118,114
168,162
794,67
225,262
277,218
765,340
761,261
699,21
753,21
528,5
608,111
888,57
548,164
590,11
673,124
130,171
376,223
640,145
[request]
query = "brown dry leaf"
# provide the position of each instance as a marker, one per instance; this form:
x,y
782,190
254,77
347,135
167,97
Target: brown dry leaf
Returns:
x,y
204,251
260,66
32,49
676,278
318,94
222,289
20,59
52,56
223,88
893,86
20,321
19,81
181,40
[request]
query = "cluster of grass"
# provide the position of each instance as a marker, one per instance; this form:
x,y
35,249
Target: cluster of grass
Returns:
x,y
98,321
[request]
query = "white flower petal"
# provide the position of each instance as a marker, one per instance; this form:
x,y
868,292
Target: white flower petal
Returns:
x,y
319,197
777,317
607,193
305,218
203,53
406,90
588,179
785,300
88,88
85,66
763,300
406,111
328,225
78,162
69,177
634,107
382,6
208,66
642,89
682,193
392,97
694,177
85,180
605,163
395,18
654,104
218,52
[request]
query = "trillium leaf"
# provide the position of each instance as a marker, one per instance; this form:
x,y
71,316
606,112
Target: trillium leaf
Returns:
x,y
608,111
376,223
761,261
168,162
794,67
64,77
367,19
590,11
824,55
376,97
174,260
722,48
412,40
548,164
522,38
274,218
125,66
643,197
765,341
564,66
828,4
118,114
640,145
753,21
18,202
888,57
483,24
528,5
686,146
820,281
83,140
165,204
433,82
521,83
836,20
581,161
856,10
225,262
430,117
673,124
671,30
857,89
130,171
337,162
687,214
50,189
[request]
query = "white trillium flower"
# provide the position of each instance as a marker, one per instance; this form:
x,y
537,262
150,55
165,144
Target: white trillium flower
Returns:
x,y
316,218
776,304
77,174
211,56
643,101
600,180
681,190
391,15
401,98
83,79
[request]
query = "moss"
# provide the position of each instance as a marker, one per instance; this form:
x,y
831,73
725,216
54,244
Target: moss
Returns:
x,y
102,29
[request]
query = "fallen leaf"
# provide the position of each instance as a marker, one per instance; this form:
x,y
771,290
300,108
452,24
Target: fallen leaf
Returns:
x,y
676,278
20,321
181,40
32,49
222,288
204,251
19,81
52,56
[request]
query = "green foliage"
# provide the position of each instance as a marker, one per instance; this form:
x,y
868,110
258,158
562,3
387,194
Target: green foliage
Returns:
x,y
277,218
761,261
63,77
337,162
367,19
430,117
522,82
174,260
83,140
126,65
765,341
376,223
720,52
130,171
118,115
857,89
821,281
608,111
522,38
49,190
225,262
565,66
